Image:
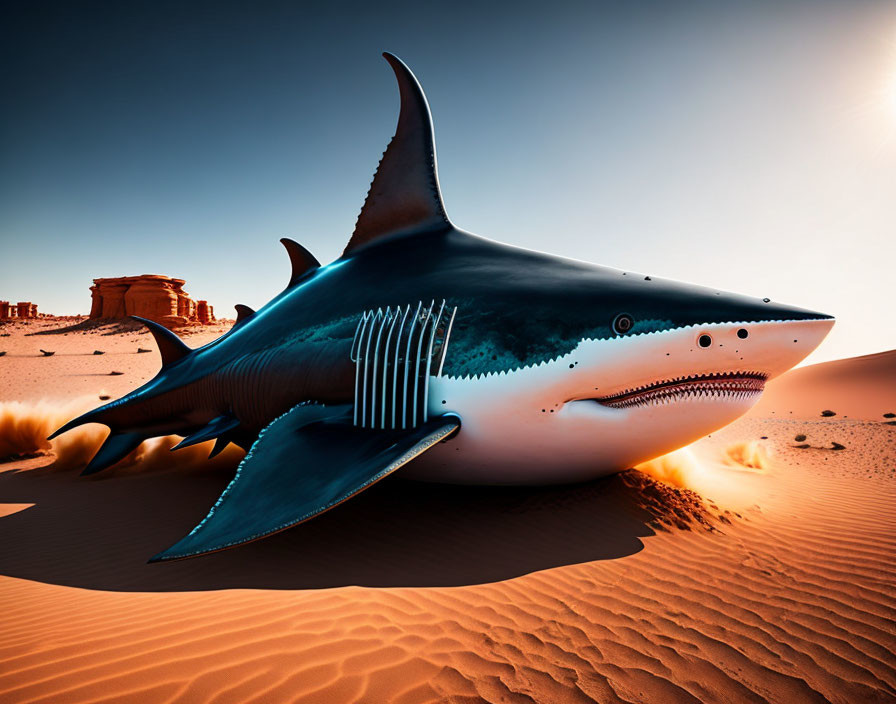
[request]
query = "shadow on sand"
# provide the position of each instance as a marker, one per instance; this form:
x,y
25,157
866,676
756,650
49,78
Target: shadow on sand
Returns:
x,y
98,533
107,326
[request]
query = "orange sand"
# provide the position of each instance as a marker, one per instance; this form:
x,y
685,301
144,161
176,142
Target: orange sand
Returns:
x,y
780,585
861,388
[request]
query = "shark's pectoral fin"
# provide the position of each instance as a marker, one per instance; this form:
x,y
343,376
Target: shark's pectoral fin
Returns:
x,y
304,463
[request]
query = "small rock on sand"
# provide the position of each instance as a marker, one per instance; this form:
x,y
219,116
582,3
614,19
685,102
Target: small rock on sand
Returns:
x,y
828,414
115,373
46,353
104,397
141,350
837,446
800,437
98,352
889,415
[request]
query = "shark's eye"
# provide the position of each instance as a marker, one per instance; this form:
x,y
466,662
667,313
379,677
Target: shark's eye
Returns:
x,y
742,333
623,323
704,340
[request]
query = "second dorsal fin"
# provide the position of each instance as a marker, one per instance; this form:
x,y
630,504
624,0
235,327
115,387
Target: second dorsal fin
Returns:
x,y
171,347
405,194
243,313
301,259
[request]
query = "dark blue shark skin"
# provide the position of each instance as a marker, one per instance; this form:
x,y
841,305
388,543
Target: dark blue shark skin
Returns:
x,y
520,306
276,370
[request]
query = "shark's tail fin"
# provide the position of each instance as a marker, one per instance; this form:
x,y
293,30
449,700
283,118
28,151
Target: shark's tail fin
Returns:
x,y
125,415
94,416
115,447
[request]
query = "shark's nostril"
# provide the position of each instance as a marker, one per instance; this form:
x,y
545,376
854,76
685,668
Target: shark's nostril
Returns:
x,y
742,333
704,340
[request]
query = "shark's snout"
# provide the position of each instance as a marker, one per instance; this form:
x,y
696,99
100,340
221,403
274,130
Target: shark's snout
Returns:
x,y
735,357
770,347
708,363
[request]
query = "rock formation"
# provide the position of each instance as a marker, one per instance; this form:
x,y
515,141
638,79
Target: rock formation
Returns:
x,y
153,296
22,309
204,312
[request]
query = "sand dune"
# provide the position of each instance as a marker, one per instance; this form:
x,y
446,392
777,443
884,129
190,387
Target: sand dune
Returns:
x,y
859,388
74,370
778,585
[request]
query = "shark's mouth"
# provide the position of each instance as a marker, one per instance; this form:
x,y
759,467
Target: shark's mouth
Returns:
x,y
730,385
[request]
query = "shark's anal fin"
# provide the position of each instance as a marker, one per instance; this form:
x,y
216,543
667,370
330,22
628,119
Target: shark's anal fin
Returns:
x,y
404,195
217,427
301,259
171,347
304,463
116,447
221,443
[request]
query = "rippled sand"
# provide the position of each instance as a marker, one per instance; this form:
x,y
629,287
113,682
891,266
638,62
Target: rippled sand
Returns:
x,y
775,581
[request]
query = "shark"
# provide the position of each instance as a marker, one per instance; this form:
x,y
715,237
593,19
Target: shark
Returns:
x,y
450,357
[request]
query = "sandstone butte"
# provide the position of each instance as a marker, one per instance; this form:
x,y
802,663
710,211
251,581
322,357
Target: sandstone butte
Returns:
x,y
153,296
22,309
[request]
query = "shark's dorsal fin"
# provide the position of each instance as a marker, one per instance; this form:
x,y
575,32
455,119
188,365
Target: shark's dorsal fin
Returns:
x,y
301,259
404,194
171,347
243,313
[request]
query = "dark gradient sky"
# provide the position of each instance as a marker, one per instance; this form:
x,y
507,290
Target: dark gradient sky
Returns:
x,y
748,146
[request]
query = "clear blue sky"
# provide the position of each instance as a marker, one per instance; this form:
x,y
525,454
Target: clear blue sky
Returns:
x,y
747,146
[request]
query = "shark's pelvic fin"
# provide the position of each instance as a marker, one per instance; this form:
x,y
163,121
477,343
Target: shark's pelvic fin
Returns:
x,y
171,347
304,463
405,194
116,447
217,427
301,259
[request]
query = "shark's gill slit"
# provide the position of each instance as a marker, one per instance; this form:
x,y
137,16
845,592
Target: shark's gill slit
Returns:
x,y
395,363
423,324
378,361
406,364
355,356
388,401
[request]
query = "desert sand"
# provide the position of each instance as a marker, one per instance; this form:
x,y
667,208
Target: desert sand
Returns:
x,y
762,567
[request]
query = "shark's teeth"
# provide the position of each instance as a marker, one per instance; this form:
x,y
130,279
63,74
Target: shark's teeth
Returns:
x,y
733,385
